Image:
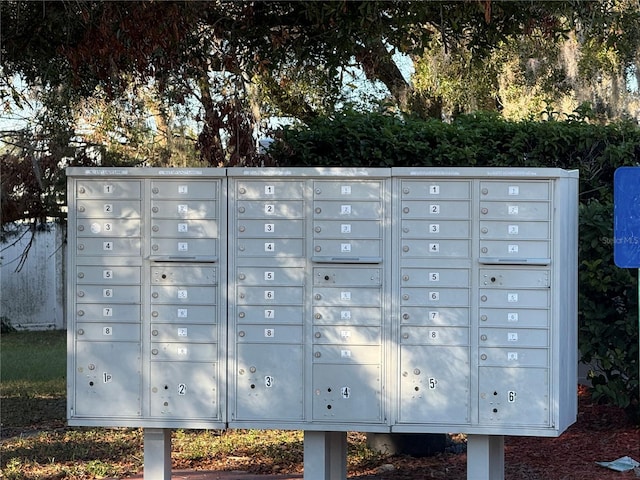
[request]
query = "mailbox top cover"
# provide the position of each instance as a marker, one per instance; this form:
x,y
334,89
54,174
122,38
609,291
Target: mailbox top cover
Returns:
x,y
626,217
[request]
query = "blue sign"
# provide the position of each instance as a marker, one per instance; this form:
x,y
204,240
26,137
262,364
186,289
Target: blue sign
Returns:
x,y
626,217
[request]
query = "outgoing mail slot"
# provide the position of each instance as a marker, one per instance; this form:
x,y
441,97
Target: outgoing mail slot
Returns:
x,y
110,247
344,189
436,248
436,189
107,332
514,298
436,209
347,248
347,296
187,209
108,209
184,228
183,189
269,333
268,189
514,190
346,315
515,230
434,335
346,354
346,210
514,357
347,335
110,293
183,294
108,275
514,278
270,209
424,277
513,318
347,276
184,275
434,316
436,296
108,312
270,247
514,211
515,249
275,314
184,333
270,276
267,228
107,189
184,247
435,228
270,295
353,229
184,352
184,390
110,227
512,337
184,313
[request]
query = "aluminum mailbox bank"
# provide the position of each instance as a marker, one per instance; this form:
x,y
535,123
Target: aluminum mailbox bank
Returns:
x,y
326,300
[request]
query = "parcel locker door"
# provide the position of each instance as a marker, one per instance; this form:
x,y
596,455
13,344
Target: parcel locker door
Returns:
x,y
184,390
268,383
108,380
434,384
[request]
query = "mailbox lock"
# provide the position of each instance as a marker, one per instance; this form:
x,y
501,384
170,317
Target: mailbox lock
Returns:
x,y
154,351
406,316
483,318
80,313
241,314
241,209
80,331
317,354
318,296
81,208
252,369
406,190
484,230
154,314
242,276
242,190
318,210
241,248
81,293
405,248
154,247
483,337
318,191
327,277
485,191
155,228
81,228
241,333
318,248
318,335
318,316
416,371
154,294
80,274
242,295
155,190
318,229
405,278
483,356
485,249
484,210
405,297
483,298
241,371
242,228
154,333
405,210
81,247
155,209
81,190
91,366
405,335
405,229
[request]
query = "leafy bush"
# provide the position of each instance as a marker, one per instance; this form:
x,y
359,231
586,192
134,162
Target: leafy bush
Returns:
x,y
608,303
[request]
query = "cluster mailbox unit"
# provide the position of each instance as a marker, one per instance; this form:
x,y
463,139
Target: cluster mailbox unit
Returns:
x,y
325,300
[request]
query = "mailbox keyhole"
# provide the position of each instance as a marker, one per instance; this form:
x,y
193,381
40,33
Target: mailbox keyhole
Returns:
x,y
416,388
495,410
493,279
166,387
327,277
329,389
91,384
253,385
328,407
164,275
495,393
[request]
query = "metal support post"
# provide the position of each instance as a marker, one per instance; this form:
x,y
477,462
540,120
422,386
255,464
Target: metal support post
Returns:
x,y
157,454
325,455
485,457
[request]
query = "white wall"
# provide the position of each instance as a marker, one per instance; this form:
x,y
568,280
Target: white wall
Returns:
x,y
33,298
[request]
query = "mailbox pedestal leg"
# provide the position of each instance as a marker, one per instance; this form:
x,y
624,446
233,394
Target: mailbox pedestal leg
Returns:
x,y
157,454
325,455
485,457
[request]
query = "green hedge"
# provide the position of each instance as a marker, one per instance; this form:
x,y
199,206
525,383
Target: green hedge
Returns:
x,y
608,296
